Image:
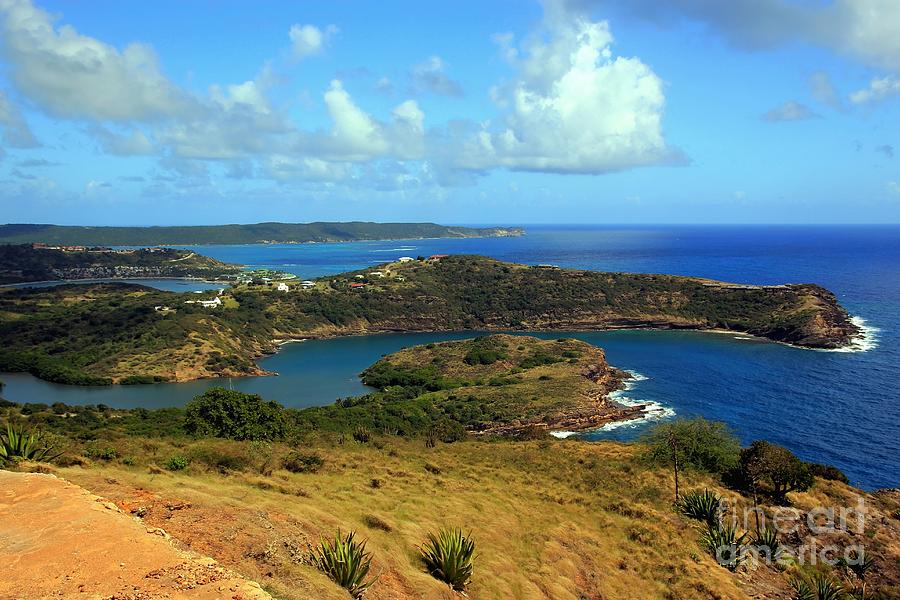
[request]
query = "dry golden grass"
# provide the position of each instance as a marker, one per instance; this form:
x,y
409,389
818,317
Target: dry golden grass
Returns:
x,y
560,519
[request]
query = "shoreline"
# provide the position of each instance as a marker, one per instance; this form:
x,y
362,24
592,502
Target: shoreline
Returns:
x,y
110,280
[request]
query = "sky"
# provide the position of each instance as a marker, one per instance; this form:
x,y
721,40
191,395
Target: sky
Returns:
x,y
482,112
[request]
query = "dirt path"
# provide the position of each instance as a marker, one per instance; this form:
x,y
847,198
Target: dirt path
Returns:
x,y
58,541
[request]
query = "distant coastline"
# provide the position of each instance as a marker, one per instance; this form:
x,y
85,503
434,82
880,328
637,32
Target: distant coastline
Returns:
x,y
243,234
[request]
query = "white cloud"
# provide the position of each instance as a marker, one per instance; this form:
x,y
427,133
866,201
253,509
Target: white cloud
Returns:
x,y
308,40
355,135
879,89
574,108
16,133
789,111
133,143
429,76
76,76
292,168
863,29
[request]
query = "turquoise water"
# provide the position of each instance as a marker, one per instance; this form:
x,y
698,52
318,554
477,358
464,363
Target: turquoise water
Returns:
x,y
841,408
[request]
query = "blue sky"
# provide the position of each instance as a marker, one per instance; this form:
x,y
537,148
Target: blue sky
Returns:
x,y
572,111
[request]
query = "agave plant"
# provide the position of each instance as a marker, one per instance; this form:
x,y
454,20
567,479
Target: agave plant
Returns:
x,y
702,506
346,562
767,541
818,587
725,545
449,557
18,443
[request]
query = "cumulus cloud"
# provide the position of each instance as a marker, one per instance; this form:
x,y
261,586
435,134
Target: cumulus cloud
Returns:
x,y
880,88
76,76
429,76
16,133
309,40
863,29
789,111
573,108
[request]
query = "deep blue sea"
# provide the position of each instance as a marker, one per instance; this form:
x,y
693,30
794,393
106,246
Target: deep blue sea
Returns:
x,y
841,408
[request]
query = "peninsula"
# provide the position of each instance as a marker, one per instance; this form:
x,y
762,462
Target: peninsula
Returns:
x,y
101,334
22,263
258,233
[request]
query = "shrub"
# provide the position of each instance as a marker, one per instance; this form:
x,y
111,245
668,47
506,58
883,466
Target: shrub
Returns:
x,y
376,522
775,468
361,434
346,562
222,456
177,463
725,545
449,557
234,415
303,462
17,443
104,453
828,472
702,506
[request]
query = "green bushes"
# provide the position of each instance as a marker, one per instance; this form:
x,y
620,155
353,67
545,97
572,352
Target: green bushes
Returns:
x,y
702,506
234,415
449,557
346,562
302,462
483,356
18,443
177,463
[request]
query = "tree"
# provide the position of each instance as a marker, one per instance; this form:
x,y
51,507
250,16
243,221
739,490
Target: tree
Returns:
x,y
771,466
235,415
693,443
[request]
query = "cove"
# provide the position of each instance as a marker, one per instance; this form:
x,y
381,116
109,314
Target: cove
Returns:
x,y
798,398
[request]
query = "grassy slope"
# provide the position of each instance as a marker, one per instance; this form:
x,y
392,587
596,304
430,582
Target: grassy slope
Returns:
x,y
236,234
549,520
457,293
552,519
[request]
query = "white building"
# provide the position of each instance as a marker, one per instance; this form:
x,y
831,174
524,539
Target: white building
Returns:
x,y
215,302
282,287
307,285
376,274
406,259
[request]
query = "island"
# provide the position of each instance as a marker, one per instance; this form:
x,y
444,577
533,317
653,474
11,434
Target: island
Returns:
x,y
258,233
22,263
506,385
116,333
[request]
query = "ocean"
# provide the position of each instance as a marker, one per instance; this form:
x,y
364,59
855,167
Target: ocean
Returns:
x,y
840,408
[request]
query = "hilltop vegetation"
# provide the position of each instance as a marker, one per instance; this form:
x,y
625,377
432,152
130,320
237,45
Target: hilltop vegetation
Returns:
x,y
286,233
23,263
550,518
116,332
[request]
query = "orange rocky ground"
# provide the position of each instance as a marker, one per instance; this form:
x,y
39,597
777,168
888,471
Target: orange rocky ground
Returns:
x,y
59,541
